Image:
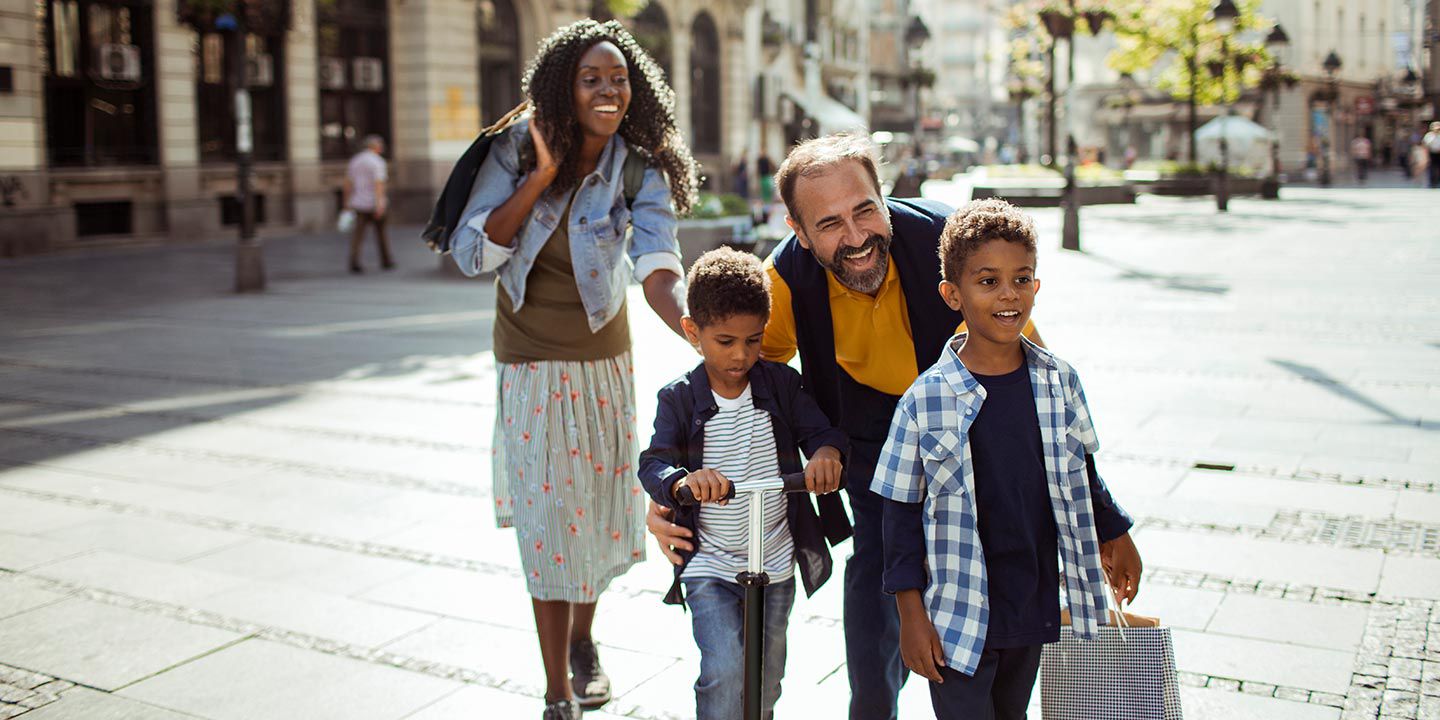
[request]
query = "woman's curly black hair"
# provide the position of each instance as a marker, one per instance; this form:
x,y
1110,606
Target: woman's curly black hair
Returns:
x,y
649,123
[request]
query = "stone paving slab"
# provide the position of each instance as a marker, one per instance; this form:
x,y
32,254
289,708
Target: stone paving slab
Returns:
x,y
258,679
1202,702
1411,577
16,597
1291,494
22,552
314,613
87,704
77,640
1356,570
1337,627
138,577
483,702
1263,661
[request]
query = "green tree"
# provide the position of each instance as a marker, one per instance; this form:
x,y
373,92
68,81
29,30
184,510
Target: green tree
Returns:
x,y
1180,38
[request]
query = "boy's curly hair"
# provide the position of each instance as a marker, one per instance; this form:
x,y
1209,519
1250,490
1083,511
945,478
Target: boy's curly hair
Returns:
x,y
649,123
976,223
726,282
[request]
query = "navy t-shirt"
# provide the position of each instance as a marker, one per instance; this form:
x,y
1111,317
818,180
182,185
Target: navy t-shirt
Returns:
x,y
1014,517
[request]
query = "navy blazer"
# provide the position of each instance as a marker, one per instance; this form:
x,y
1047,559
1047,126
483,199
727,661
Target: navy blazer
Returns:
x,y
678,445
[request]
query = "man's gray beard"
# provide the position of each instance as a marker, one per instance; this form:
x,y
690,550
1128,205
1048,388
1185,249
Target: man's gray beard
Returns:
x,y
867,282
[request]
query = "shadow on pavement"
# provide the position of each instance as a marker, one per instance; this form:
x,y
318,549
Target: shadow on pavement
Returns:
x,y
1321,378
1184,282
112,345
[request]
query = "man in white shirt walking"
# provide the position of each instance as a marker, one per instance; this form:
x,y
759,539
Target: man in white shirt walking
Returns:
x,y
1432,145
365,193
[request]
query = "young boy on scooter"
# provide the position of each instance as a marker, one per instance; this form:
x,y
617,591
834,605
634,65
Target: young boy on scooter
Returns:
x,y
736,418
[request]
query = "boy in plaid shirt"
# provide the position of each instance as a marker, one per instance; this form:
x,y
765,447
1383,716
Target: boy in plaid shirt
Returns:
x,y
988,476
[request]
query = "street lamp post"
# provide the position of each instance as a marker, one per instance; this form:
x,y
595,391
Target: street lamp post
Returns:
x,y
1274,76
1224,14
1331,65
249,254
1061,26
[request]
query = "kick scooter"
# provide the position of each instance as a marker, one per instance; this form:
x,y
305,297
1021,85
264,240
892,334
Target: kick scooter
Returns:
x,y
754,578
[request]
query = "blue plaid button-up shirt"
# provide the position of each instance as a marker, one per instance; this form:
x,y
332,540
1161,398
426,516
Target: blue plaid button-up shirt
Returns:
x,y
927,458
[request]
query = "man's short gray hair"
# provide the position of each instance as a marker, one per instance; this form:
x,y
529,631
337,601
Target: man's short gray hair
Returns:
x,y
373,141
821,154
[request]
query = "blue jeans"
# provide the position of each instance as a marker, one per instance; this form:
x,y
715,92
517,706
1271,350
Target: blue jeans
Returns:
x,y
872,623
717,612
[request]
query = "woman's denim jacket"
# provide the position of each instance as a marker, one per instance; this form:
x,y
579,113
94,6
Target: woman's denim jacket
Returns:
x,y
599,220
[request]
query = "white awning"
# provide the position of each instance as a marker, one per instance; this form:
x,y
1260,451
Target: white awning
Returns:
x,y
831,114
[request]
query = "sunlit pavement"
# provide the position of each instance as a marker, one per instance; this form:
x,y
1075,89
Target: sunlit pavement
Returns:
x,y
277,506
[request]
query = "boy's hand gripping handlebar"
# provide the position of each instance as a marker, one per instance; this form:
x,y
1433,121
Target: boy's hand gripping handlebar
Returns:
x,y
789,483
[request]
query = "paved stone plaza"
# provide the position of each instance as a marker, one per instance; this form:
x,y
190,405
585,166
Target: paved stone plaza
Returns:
x,y
276,506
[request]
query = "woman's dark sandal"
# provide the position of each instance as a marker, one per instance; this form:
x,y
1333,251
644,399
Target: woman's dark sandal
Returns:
x,y
588,680
566,709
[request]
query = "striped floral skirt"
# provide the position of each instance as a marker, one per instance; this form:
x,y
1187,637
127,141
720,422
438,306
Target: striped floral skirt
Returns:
x,y
564,455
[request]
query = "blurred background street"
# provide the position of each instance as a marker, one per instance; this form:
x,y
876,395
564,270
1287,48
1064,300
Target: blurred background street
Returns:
x,y
276,506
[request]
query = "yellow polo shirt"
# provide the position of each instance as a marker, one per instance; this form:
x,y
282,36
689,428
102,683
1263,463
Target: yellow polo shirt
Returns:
x,y
873,342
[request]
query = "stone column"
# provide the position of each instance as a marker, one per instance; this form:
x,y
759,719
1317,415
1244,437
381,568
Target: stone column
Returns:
x,y
28,221
189,214
434,95
313,202
681,17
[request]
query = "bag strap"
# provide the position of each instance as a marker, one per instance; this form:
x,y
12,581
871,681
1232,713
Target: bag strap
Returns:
x,y
633,173
506,120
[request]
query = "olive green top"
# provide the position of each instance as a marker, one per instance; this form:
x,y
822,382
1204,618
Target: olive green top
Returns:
x,y
553,323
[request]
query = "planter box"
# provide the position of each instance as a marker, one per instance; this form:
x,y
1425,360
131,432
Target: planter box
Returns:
x,y
1049,196
698,237
1193,186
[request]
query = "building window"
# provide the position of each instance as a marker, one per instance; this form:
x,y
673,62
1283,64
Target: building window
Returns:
x,y
99,83
352,44
215,97
499,58
652,30
705,109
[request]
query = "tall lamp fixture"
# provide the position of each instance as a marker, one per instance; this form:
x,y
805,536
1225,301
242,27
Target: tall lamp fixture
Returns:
x,y
1224,14
1332,66
1277,40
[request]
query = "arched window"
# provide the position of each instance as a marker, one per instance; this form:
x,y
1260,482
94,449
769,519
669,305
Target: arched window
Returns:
x,y
705,84
499,58
652,30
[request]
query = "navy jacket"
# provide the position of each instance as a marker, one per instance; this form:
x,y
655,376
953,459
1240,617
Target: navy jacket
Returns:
x,y
860,411
678,446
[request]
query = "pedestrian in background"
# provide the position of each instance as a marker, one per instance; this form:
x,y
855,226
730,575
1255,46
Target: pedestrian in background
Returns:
x,y
549,215
1432,148
367,196
1419,163
1361,151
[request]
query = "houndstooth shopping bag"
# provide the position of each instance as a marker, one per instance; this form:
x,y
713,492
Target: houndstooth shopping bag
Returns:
x,y
1123,674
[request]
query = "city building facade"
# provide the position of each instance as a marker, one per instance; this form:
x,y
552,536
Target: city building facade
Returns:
x,y
117,120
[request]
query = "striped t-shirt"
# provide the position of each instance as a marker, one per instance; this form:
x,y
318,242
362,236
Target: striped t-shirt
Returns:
x,y
740,444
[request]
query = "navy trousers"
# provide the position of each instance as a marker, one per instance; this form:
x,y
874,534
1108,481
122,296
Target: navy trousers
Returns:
x,y
999,690
872,623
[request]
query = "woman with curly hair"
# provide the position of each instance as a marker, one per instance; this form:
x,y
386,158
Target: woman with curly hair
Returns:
x,y
549,214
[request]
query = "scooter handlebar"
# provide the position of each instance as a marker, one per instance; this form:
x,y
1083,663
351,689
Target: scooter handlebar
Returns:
x,y
789,482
